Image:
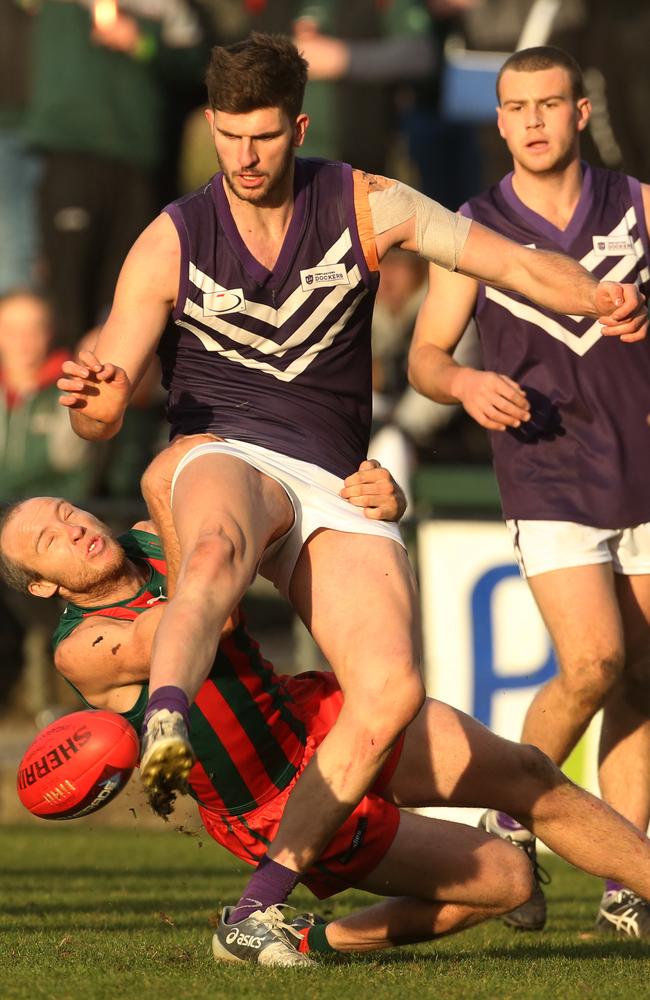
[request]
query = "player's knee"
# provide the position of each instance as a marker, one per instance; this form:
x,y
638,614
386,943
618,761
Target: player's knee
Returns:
x,y
506,876
213,558
519,880
537,771
589,684
385,713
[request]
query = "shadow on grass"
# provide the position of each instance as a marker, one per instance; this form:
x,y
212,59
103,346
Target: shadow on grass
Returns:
x,y
636,951
142,872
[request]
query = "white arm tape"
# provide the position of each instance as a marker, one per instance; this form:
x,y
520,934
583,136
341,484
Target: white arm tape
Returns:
x,y
439,234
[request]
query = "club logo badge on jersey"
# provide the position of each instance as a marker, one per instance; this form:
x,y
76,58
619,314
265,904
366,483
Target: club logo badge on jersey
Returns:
x,y
322,276
613,246
230,300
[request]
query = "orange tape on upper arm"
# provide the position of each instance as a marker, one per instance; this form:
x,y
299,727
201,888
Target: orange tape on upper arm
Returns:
x,y
365,227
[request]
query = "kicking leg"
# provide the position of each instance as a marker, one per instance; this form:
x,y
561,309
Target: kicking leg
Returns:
x,y
225,513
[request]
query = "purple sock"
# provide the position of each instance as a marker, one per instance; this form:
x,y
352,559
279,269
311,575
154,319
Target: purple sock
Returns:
x,y
611,886
172,698
271,883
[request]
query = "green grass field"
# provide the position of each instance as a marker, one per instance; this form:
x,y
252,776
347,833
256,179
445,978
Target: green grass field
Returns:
x,y
120,914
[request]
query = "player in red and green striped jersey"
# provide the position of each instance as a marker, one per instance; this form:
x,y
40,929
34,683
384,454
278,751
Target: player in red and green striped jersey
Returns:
x,y
254,733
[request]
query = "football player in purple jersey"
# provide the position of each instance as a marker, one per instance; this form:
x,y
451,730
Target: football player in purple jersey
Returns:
x,y
270,272
566,411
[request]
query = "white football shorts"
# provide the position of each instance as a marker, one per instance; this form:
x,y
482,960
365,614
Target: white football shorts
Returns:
x,y
314,495
541,546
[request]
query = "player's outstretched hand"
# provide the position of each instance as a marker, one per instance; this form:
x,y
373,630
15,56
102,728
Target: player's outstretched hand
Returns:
x,y
374,489
623,311
494,401
99,390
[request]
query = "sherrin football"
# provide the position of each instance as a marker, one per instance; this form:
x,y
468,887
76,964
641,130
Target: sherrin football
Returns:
x,y
77,764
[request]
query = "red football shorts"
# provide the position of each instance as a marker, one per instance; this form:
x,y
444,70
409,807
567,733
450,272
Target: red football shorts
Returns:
x,y
364,838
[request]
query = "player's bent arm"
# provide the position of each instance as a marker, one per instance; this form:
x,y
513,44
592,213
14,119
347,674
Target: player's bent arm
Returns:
x,y
493,399
99,385
442,319
103,654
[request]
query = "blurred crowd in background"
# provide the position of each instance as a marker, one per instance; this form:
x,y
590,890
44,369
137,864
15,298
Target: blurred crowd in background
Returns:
x,y
101,125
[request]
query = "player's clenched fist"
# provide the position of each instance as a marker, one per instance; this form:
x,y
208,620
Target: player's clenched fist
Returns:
x,y
98,390
494,401
623,311
374,489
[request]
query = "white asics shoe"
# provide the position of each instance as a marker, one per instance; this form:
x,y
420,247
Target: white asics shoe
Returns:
x,y
624,913
263,937
166,759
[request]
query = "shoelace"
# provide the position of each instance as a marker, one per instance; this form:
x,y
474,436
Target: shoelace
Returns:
x,y
274,917
540,873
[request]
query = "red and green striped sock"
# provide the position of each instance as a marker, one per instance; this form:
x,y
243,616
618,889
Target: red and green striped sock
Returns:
x,y
315,939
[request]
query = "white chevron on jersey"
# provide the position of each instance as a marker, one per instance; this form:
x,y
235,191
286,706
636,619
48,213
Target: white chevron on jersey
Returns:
x,y
276,317
579,345
263,344
297,366
621,270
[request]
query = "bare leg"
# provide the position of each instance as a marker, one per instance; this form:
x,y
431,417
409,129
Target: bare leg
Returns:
x,y
357,596
625,736
443,877
580,608
450,759
225,513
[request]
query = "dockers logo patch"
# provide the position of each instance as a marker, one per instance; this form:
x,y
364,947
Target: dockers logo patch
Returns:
x,y
230,300
323,276
613,246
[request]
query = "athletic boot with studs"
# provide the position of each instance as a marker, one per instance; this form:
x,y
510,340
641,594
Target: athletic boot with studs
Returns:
x,y
625,914
166,759
263,937
531,915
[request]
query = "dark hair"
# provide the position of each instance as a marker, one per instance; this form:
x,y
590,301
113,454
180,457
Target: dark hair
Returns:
x,y
545,57
263,71
12,573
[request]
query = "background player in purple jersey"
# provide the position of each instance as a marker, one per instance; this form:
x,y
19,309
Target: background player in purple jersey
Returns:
x,y
443,877
270,272
566,410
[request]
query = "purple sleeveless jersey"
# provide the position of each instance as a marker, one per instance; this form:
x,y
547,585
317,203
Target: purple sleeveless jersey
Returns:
x,y
276,358
584,455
